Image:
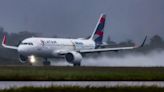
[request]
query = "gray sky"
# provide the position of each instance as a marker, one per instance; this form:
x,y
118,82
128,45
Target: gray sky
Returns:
x,y
126,19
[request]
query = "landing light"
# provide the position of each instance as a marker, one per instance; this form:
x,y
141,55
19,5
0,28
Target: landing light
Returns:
x,y
32,59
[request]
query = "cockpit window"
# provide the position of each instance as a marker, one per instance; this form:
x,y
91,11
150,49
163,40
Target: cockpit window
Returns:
x,y
24,43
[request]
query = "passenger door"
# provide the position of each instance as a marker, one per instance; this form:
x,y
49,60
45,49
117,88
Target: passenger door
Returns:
x,y
78,45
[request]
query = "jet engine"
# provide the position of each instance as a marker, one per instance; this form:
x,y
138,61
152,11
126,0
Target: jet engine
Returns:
x,y
74,58
23,59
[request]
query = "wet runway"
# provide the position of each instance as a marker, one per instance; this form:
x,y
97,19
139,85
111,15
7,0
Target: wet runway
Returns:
x,y
13,84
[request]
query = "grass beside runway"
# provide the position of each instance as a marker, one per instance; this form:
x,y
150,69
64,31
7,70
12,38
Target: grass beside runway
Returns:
x,y
86,89
31,73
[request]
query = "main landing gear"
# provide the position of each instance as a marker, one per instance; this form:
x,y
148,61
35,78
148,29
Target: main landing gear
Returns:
x,y
76,64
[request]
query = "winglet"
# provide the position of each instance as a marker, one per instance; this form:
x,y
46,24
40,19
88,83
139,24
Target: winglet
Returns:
x,y
143,43
6,46
4,40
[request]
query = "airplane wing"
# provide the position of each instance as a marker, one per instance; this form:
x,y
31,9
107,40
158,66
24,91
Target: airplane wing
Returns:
x,y
113,49
107,49
7,46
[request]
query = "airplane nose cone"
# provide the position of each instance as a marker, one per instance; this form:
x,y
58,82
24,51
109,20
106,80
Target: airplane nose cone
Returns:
x,y
22,50
25,50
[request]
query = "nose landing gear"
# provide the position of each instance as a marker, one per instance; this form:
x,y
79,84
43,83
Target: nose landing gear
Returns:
x,y
46,62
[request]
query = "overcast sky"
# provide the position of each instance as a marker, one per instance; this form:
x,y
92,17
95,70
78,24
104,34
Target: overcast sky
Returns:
x,y
126,19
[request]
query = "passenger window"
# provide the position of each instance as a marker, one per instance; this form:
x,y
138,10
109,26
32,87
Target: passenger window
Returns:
x,y
26,43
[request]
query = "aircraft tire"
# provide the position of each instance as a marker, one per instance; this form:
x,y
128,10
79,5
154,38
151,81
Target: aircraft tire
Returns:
x,y
46,63
76,64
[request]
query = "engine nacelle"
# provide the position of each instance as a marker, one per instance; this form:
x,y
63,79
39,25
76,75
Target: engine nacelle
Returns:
x,y
23,59
73,57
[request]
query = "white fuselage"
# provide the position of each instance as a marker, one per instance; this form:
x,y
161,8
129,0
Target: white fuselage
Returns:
x,y
52,47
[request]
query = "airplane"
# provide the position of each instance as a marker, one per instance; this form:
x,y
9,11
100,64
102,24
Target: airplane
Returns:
x,y
71,49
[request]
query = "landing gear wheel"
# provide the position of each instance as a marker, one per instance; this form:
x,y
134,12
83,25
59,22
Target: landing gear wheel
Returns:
x,y
46,63
76,64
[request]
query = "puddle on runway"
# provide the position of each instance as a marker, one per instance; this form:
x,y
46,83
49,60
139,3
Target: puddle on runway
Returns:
x,y
11,84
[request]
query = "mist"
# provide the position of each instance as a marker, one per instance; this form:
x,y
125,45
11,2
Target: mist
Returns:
x,y
151,59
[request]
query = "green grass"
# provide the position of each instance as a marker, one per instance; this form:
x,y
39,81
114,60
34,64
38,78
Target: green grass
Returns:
x,y
86,89
30,73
